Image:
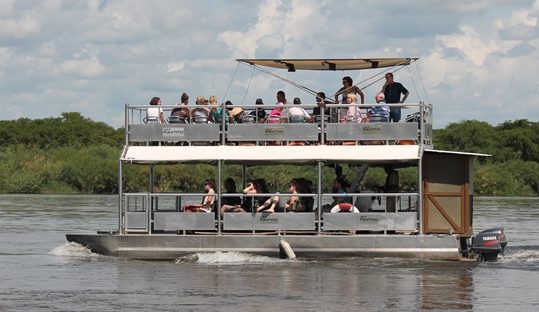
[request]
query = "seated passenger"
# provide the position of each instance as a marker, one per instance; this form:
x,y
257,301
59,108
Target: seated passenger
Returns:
x,y
276,114
259,113
201,113
207,201
296,114
181,114
294,204
321,102
155,114
237,114
352,113
230,188
218,113
270,205
379,112
249,202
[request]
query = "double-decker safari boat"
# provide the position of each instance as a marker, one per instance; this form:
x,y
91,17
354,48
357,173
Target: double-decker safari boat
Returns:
x,y
434,221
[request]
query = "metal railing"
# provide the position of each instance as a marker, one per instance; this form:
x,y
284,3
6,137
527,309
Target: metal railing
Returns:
x,y
140,128
152,213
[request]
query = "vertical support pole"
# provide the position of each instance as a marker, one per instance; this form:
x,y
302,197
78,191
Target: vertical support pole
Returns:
x,y
322,126
126,126
151,198
319,199
218,187
223,123
421,190
120,198
243,175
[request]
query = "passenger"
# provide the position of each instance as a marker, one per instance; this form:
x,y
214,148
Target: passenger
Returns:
x,y
181,114
391,186
270,205
294,203
352,113
155,114
281,97
348,88
276,114
259,113
321,104
217,113
201,113
296,114
341,186
253,187
379,112
230,188
237,114
305,187
208,201
392,91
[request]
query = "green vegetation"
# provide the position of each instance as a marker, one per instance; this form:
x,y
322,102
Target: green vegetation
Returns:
x,y
72,154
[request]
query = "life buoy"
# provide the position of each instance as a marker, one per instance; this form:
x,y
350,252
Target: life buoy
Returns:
x,y
344,207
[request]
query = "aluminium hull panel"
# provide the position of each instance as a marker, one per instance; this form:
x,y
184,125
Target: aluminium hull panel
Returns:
x,y
170,247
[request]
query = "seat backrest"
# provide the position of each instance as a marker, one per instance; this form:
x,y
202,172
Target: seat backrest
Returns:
x,y
296,119
177,119
248,119
200,119
150,120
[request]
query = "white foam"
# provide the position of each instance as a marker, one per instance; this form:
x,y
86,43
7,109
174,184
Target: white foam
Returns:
x,y
227,258
521,256
71,249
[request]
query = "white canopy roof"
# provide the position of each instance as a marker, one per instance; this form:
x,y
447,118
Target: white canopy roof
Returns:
x,y
259,155
329,64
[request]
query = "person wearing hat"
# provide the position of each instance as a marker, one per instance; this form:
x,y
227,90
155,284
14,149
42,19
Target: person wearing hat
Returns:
x,y
259,113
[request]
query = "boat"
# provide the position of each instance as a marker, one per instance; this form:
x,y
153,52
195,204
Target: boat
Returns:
x,y
434,221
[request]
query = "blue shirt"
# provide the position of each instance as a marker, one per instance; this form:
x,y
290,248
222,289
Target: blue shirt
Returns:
x,y
381,110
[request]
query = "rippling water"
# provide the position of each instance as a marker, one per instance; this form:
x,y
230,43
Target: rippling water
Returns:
x,y
40,271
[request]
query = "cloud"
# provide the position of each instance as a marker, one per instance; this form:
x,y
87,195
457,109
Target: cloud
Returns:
x,y
88,68
19,28
94,56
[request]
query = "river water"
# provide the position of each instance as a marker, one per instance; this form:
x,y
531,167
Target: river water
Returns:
x,y
39,271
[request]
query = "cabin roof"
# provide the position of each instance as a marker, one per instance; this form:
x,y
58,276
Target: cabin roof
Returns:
x,y
264,155
456,153
329,64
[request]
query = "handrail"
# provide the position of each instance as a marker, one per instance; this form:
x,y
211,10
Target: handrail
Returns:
x,y
137,131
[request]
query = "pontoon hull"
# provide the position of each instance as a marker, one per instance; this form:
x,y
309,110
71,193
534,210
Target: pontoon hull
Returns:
x,y
170,247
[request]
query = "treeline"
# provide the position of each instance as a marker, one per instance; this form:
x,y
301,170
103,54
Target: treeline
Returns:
x,y
513,168
73,154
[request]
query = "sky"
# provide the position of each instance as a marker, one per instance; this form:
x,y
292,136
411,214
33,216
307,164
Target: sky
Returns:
x,y
478,58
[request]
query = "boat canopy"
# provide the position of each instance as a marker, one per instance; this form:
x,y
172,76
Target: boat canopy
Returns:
x,y
329,64
264,155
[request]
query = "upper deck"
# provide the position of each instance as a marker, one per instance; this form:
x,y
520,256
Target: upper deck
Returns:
x,y
326,130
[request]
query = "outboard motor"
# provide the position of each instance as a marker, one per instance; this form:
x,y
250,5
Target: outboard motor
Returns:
x,y
487,244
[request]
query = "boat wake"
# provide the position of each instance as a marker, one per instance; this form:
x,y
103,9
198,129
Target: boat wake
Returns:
x,y
522,254
73,250
226,258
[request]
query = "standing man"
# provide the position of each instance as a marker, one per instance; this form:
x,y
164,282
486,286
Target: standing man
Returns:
x,y
392,91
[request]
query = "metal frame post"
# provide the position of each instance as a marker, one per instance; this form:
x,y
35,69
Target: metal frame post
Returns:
x,y
319,186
